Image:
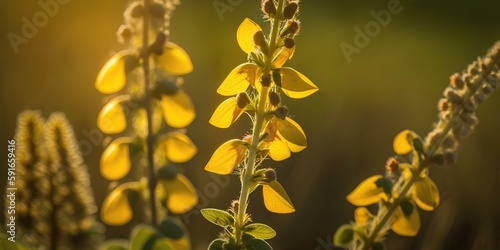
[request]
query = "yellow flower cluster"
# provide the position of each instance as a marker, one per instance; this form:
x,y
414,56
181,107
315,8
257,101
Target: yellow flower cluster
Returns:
x,y
255,88
407,185
147,92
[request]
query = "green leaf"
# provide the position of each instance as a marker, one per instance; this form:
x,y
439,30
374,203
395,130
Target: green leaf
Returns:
x,y
257,244
407,207
115,245
217,244
260,231
385,184
171,228
218,217
343,236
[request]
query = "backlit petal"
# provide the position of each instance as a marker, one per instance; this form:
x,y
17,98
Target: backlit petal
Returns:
x,y
293,134
181,195
276,199
238,79
367,192
111,119
178,147
362,216
282,57
403,142
178,109
226,113
406,225
115,160
175,60
113,75
227,157
296,85
426,194
116,208
278,150
245,33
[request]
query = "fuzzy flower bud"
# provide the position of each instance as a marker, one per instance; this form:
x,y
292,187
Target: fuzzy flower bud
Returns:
x,y
265,80
270,174
456,81
290,10
281,112
157,10
274,98
136,10
269,8
392,165
242,99
289,43
258,38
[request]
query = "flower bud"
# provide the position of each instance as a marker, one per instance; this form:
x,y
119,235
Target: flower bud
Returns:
x,y
136,10
449,142
157,10
492,80
469,118
487,89
124,33
167,172
443,104
437,159
294,27
242,99
159,45
469,106
392,165
289,43
452,96
456,81
269,8
274,98
265,80
166,86
258,38
479,97
473,69
450,157
235,205
290,10
281,112
270,174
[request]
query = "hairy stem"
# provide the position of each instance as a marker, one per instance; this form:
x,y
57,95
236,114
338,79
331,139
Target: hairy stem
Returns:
x,y
256,131
149,114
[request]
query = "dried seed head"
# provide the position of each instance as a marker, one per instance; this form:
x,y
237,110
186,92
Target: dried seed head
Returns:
x,y
281,112
290,10
242,99
274,98
258,38
136,10
270,174
157,10
289,43
269,8
456,81
265,80
392,165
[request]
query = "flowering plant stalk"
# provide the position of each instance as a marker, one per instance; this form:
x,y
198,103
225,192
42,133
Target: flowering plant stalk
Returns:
x,y
254,88
406,184
150,67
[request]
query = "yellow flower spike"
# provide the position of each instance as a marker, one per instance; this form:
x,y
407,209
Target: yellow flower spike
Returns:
x,y
178,147
115,160
175,60
278,149
362,216
116,210
296,85
227,157
426,194
226,113
244,34
276,199
238,79
367,192
406,225
403,142
292,133
178,109
113,75
111,119
181,195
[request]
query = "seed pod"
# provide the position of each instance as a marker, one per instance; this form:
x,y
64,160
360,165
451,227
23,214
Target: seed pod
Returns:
x,y
281,112
290,10
274,98
242,99
265,80
289,43
269,8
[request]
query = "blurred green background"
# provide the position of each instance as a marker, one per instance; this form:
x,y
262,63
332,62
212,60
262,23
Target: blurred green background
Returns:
x,y
393,84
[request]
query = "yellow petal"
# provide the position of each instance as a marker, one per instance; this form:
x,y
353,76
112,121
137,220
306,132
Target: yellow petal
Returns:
x,y
406,225
178,110
278,150
362,216
180,244
116,209
293,134
281,58
115,160
296,85
181,195
226,113
111,119
426,194
113,75
178,147
175,60
403,142
227,157
245,33
238,79
276,199
367,192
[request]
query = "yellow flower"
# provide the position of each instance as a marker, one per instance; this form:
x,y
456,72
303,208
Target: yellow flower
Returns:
x,y
276,199
227,157
111,119
368,192
113,75
283,136
174,60
178,109
424,191
177,147
180,194
406,219
116,209
115,160
226,113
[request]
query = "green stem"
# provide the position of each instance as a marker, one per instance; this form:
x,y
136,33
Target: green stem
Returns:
x,y
249,168
149,114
